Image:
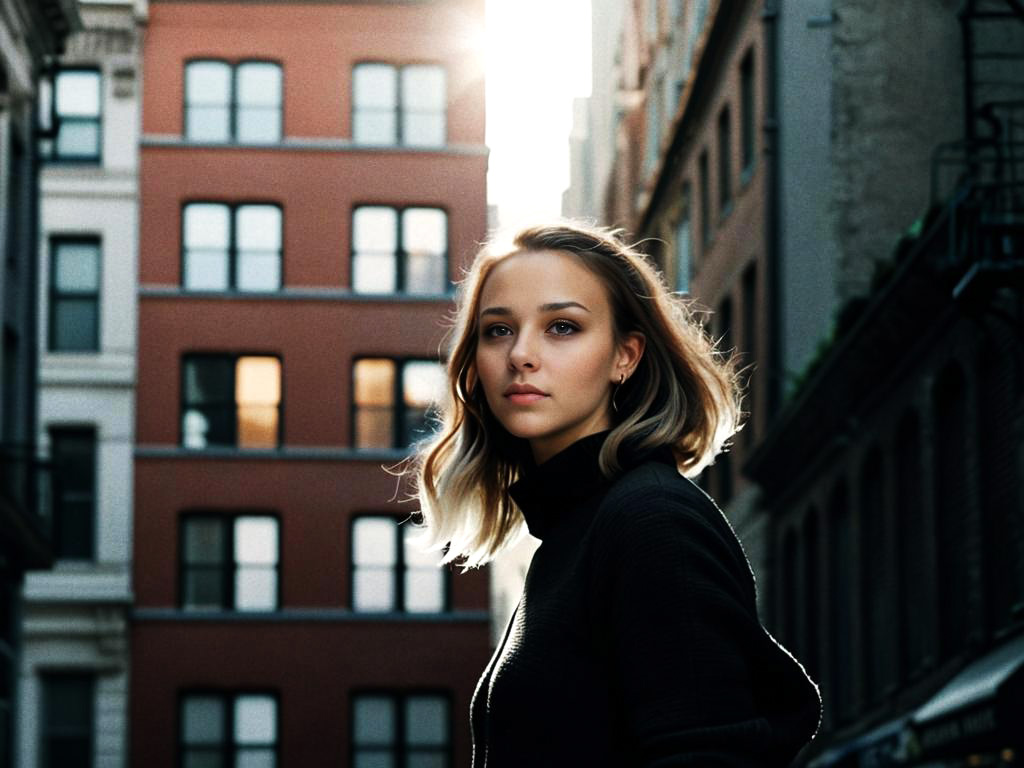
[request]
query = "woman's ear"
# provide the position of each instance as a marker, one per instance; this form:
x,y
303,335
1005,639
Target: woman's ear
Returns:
x,y
631,349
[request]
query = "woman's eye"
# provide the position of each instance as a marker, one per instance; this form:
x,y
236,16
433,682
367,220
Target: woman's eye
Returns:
x,y
498,330
562,328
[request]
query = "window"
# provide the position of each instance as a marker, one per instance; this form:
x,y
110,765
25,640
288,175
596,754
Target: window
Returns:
x,y
74,463
841,565
229,563
654,119
392,400
399,250
401,731
747,114
68,717
399,105
724,162
223,730
74,294
684,244
69,116
750,331
390,572
231,401
231,247
705,200
240,103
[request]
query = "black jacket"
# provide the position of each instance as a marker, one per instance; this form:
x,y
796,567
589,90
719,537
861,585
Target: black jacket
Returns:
x,y
636,641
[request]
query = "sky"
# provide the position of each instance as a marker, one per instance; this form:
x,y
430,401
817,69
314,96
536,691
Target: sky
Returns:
x,y
538,59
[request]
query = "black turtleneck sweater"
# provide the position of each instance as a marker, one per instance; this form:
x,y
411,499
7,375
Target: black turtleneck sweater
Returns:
x,y
636,641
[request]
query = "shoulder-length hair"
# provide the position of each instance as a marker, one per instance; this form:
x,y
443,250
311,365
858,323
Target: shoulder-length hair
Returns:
x,y
683,394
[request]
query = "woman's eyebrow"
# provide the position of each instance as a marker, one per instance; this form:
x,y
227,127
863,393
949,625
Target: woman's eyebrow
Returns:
x,y
553,307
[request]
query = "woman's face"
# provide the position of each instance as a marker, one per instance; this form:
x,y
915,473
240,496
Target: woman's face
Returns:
x,y
546,353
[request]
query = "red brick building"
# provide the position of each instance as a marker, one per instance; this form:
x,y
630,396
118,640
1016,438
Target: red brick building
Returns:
x,y
312,180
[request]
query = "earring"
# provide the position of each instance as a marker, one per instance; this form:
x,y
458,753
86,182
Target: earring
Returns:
x,y
622,378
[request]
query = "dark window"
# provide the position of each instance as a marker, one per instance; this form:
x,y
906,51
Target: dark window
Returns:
x,y
233,103
230,563
74,294
812,600
750,331
401,730
790,598
392,399
399,105
841,575
747,113
705,200
74,514
877,587
69,116
68,718
231,401
390,572
231,247
224,730
684,244
915,580
724,162
399,250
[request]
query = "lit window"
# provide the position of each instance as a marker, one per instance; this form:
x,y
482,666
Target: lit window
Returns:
x,y
392,401
221,730
401,731
74,295
230,563
74,514
404,251
231,248
231,401
399,106
392,573
225,103
66,736
69,117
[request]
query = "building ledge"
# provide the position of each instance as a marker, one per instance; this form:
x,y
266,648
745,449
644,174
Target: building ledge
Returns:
x,y
305,615
310,144
284,453
87,370
292,293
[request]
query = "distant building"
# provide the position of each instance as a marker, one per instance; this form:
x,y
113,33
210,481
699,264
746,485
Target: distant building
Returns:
x,y
31,34
74,686
312,181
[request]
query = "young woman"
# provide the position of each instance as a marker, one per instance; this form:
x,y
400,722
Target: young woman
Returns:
x,y
582,396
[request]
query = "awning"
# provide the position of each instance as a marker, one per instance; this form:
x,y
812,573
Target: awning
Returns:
x,y
979,708
880,746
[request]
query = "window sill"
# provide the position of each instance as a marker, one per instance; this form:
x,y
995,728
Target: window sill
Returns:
x,y
282,453
311,143
289,293
324,615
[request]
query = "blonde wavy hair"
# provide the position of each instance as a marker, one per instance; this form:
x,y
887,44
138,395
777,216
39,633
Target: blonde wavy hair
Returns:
x,y
683,394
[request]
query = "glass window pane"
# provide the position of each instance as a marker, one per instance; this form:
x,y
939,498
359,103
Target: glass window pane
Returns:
x,y
78,139
373,588
426,720
206,226
425,229
259,84
424,590
195,758
374,540
203,588
258,125
255,720
208,83
366,759
78,94
204,542
256,758
206,269
75,325
258,381
427,760
374,273
374,720
375,85
423,383
259,270
375,128
258,426
375,427
77,267
209,380
256,589
256,540
414,552
375,229
259,227
208,123
203,720
423,129
423,88
374,381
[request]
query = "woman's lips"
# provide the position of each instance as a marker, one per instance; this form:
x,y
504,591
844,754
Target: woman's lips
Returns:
x,y
524,398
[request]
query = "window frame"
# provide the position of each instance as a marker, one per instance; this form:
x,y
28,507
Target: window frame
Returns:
x,y
398,403
90,434
229,565
725,141
234,357
748,114
46,734
228,747
54,294
400,110
232,247
398,570
52,131
401,254
400,699
233,104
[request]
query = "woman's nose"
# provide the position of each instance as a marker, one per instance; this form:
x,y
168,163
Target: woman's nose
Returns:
x,y
523,355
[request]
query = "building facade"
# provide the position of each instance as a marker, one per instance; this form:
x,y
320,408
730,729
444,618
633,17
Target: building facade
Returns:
x,y
312,180
74,672
31,34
